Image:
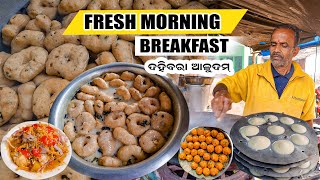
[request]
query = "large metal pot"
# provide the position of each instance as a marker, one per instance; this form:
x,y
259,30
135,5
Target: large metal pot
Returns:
x,y
181,115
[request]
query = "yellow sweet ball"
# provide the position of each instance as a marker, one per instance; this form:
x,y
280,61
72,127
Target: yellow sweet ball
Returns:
x,y
194,165
203,164
190,145
215,157
224,143
215,142
194,152
203,145
220,136
209,140
202,138
182,156
201,152
195,139
219,166
200,131
189,157
194,132
214,133
197,158
187,151
218,149
226,151
211,164
196,145
199,170
210,148
206,171
214,171
184,145
189,138
207,133
206,156
223,158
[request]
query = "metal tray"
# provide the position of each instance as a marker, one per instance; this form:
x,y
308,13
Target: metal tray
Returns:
x,y
292,172
309,175
265,165
268,155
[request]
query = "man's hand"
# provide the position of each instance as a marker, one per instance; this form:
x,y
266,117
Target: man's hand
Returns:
x,y
221,103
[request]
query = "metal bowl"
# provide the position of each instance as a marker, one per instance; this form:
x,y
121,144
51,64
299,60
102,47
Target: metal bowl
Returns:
x,y
181,116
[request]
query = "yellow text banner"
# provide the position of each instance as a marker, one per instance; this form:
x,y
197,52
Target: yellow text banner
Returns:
x,y
107,22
